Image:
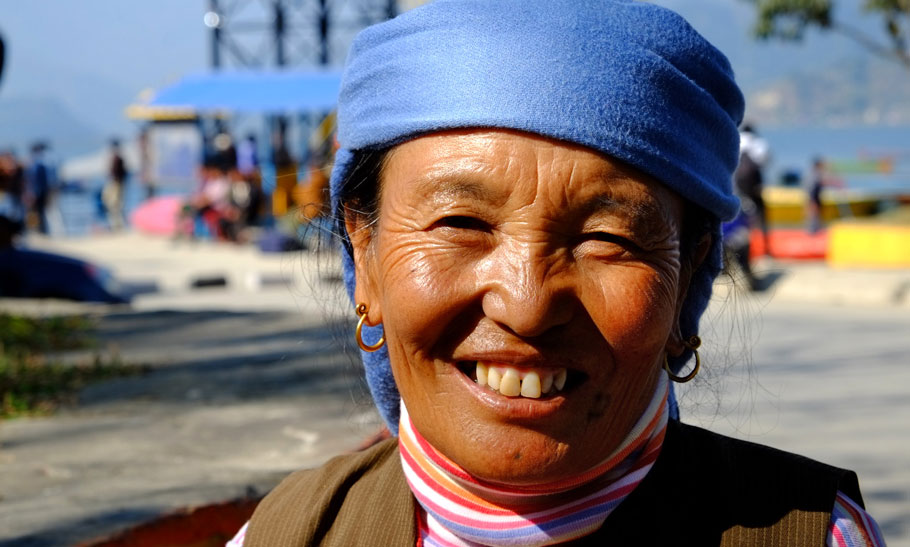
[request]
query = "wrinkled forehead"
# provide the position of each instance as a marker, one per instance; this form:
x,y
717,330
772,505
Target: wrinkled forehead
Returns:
x,y
502,168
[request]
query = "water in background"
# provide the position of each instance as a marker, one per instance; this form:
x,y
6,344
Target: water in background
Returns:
x,y
791,149
794,148
78,213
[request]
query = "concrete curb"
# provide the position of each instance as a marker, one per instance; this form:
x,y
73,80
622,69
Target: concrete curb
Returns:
x,y
818,284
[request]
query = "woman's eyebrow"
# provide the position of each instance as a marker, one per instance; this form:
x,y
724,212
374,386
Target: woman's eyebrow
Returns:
x,y
646,217
454,186
634,208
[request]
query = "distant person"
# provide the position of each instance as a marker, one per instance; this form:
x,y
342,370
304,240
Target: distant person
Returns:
x,y
737,249
113,192
248,157
313,193
754,155
12,211
820,178
225,153
2,55
38,186
216,208
248,167
146,177
285,173
312,198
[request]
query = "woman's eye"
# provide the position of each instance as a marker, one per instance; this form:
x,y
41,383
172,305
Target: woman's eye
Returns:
x,y
461,222
607,237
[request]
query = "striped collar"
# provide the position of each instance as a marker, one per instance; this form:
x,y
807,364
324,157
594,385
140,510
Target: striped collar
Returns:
x,y
457,509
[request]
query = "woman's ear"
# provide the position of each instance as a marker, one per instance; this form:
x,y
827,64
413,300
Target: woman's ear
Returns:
x,y
676,342
361,236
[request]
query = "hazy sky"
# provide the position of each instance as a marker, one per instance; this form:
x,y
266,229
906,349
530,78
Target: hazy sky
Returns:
x,y
132,44
136,44
93,57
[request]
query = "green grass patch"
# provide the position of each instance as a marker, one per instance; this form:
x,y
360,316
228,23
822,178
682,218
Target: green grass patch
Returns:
x,y
34,335
30,383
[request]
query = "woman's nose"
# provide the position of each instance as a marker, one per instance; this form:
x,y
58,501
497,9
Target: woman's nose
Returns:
x,y
525,291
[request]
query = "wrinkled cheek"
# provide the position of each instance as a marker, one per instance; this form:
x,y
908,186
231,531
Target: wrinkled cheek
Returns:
x,y
420,263
639,314
422,287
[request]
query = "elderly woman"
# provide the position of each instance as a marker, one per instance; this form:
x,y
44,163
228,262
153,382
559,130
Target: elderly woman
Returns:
x,y
531,193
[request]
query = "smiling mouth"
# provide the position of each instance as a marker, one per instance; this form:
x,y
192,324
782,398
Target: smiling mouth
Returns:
x,y
530,383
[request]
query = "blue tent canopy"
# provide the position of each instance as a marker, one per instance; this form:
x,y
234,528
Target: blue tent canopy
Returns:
x,y
269,92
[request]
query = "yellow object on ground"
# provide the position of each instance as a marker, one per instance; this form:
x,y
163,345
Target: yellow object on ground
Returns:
x,y
867,245
285,181
788,205
311,195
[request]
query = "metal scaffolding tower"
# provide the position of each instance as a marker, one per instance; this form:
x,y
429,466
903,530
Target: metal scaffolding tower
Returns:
x,y
269,34
278,33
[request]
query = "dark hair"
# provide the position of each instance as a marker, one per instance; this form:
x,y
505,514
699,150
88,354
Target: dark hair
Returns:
x,y
360,191
696,223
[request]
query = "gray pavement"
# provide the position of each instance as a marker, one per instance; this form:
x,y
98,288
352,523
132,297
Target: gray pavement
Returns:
x,y
250,380
831,382
232,401
245,382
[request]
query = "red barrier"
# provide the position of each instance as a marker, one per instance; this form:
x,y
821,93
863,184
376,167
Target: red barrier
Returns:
x,y
790,244
207,526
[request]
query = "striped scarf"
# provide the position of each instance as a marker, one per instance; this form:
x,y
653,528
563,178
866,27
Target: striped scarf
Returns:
x,y
456,507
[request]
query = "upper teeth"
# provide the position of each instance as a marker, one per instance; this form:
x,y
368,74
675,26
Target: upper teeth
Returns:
x,y
513,382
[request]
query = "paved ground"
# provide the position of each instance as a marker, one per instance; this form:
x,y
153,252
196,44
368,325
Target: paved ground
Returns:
x,y
827,381
249,380
233,402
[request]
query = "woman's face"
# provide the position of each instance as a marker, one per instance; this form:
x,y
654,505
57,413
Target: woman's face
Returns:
x,y
501,251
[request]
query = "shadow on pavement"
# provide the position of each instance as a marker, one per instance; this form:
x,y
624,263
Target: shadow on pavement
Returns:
x,y
204,357
766,280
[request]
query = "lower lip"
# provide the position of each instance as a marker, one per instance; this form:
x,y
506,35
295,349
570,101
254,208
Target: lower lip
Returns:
x,y
516,408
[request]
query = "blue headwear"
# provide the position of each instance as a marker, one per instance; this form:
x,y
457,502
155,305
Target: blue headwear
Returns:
x,y
629,79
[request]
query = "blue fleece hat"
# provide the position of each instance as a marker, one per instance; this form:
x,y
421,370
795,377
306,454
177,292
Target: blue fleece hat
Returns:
x,y
628,79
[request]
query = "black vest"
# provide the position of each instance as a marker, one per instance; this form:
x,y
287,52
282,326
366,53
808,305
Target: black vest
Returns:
x,y
708,489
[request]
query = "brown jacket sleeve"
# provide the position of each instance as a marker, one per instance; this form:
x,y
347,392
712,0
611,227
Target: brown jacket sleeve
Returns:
x,y
356,499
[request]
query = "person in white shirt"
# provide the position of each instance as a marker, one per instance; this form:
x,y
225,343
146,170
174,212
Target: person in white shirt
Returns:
x,y
754,156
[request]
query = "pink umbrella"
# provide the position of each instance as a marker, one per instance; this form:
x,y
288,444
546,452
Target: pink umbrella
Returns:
x,y
158,215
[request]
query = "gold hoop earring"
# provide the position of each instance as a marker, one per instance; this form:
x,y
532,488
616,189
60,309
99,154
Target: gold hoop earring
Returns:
x,y
693,344
358,333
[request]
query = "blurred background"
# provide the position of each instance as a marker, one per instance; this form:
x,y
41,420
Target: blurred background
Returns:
x,y
174,338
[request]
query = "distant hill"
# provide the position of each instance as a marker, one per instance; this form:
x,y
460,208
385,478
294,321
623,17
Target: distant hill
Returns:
x,y
24,120
825,80
71,105
728,25
859,91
